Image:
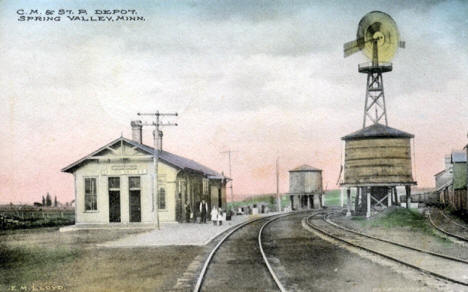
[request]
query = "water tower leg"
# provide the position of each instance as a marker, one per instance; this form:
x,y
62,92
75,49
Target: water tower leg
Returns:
x,y
363,199
348,202
342,198
356,200
368,212
389,197
408,196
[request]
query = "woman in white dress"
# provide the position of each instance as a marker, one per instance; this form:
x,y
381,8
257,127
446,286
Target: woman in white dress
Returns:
x,y
214,215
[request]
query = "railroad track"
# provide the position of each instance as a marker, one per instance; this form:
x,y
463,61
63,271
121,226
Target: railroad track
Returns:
x,y
458,228
453,270
452,221
269,270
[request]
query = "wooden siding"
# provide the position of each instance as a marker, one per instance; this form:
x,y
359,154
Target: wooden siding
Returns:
x,y
459,175
305,182
381,160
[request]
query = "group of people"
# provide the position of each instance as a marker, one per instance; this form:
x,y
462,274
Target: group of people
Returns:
x,y
217,215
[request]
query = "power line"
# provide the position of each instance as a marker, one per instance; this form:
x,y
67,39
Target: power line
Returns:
x,y
157,141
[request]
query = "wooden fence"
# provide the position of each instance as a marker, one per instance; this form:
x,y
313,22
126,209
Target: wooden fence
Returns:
x,y
457,199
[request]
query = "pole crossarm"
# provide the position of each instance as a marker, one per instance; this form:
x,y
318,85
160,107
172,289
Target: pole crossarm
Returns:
x,y
158,114
157,140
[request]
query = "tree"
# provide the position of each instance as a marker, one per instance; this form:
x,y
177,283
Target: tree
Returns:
x,y
48,200
55,201
43,201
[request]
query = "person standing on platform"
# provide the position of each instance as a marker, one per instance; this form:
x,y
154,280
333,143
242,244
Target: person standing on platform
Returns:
x,y
203,211
187,212
220,216
214,215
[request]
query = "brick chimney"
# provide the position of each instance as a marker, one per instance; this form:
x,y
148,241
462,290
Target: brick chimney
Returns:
x,y
137,128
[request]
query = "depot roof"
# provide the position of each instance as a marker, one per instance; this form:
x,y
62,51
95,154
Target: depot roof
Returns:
x,y
166,157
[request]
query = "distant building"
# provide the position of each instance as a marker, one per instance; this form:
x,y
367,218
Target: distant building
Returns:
x,y
453,177
459,169
305,187
114,184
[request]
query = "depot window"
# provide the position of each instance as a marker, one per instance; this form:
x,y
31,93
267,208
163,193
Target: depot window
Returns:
x,y
162,198
90,194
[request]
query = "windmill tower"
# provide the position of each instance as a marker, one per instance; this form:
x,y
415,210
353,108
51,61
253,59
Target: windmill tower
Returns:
x,y
377,157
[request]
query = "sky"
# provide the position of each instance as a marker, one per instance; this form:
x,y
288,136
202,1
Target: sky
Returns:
x,y
265,79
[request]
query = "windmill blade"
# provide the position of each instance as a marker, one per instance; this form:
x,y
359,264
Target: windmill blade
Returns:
x,y
379,26
352,47
402,44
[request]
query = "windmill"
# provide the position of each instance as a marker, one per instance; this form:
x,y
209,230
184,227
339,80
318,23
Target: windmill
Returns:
x,y
378,38
377,158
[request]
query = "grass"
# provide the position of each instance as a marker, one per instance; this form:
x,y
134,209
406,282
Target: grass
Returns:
x,y
407,219
402,217
332,198
24,265
45,257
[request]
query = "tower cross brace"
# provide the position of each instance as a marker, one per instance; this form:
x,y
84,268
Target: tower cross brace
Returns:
x,y
374,108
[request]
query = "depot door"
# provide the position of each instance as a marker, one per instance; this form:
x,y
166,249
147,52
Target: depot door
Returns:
x,y
135,206
114,199
114,206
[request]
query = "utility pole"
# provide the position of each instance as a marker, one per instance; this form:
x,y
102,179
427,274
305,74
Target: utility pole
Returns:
x,y
157,141
278,201
230,173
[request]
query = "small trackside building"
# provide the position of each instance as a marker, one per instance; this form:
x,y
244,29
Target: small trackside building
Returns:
x,y
114,184
305,187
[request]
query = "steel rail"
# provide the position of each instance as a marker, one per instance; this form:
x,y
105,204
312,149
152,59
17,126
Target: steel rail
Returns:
x,y
395,243
265,259
452,221
307,221
215,249
445,231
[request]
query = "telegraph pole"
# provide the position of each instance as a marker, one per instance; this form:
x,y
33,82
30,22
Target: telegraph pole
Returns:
x,y
230,173
157,141
278,201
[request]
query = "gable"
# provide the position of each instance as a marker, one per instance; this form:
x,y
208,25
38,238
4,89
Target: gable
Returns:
x,y
120,149
117,149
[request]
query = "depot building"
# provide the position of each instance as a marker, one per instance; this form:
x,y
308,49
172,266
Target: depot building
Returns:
x,y
114,184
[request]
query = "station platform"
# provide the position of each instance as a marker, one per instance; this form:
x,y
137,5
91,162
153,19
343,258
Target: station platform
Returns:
x,y
180,234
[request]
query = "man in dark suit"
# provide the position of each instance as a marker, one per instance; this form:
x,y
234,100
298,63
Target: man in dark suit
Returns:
x,y
203,211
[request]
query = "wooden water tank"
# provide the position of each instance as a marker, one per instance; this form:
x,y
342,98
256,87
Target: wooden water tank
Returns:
x,y
378,155
305,179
